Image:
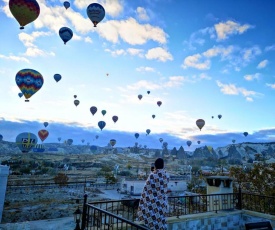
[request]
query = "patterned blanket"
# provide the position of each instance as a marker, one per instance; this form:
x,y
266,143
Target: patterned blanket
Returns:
x,y
153,205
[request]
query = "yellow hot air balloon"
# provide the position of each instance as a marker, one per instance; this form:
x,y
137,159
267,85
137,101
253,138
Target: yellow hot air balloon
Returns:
x,y
210,148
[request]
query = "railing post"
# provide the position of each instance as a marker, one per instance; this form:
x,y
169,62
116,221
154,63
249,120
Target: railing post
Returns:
x,y
84,213
239,205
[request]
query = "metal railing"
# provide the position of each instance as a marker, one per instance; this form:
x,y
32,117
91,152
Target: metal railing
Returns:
x,y
122,214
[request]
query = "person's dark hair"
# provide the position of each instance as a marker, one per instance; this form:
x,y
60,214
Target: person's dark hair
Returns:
x,y
159,163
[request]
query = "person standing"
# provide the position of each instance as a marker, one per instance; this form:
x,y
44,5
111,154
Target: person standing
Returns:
x,y
153,205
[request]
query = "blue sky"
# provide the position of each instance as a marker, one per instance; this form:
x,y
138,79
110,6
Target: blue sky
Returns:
x,y
200,58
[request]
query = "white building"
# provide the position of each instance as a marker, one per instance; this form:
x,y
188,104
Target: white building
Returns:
x,y
4,172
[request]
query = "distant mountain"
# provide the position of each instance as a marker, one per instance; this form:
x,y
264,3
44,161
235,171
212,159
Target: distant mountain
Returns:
x,y
242,151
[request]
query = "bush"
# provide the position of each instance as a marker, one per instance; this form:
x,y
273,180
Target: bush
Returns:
x,y
61,179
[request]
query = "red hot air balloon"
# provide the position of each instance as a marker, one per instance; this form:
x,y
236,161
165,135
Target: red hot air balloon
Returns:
x,y
159,103
93,110
200,123
115,118
24,11
43,134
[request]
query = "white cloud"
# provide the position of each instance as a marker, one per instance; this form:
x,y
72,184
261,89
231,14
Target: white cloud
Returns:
x,y
142,14
159,53
262,64
14,58
145,69
196,62
250,99
251,77
249,53
231,89
88,40
224,29
218,50
116,53
272,86
270,48
34,52
135,52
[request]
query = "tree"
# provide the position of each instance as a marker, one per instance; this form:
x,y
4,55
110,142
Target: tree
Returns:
x,y
61,179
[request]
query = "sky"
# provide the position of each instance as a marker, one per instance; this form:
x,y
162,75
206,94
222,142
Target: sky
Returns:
x,y
199,58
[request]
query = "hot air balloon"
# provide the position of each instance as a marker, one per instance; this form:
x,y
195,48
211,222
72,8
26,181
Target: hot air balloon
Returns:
x,y
219,116
75,96
69,141
93,110
160,140
212,117
148,131
233,141
189,143
95,13
82,140
24,11
1,137
115,118
136,135
103,112
198,142
139,96
148,92
66,4
93,148
76,102
164,145
153,116
46,124
43,134
245,134
200,123
101,124
38,148
209,148
65,34
59,139
159,103
57,77
107,74
26,141
20,94
29,82
112,142
96,137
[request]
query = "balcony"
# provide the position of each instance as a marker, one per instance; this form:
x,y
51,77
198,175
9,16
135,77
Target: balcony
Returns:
x,y
215,211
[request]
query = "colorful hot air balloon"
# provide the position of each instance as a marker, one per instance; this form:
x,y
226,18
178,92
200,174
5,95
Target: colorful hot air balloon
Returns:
x,y
57,77
219,116
148,92
160,140
164,145
148,131
46,124
245,134
101,124
103,112
139,96
24,11
153,116
65,34
66,4
200,123
29,82
136,135
115,118
96,13
189,143
159,103
20,95
210,148
93,110
43,134
198,142
93,148
112,142
76,102
26,141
